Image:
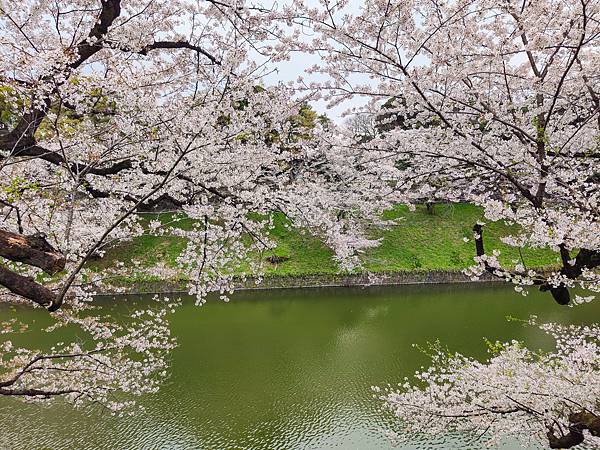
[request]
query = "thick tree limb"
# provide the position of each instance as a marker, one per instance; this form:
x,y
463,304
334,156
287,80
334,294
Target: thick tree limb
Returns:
x,y
111,9
585,259
26,288
32,150
36,392
31,250
30,122
584,420
178,45
34,251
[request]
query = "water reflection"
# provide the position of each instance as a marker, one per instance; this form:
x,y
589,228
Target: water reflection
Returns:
x,y
292,369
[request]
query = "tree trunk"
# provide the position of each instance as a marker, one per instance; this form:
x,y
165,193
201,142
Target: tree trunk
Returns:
x,y
26,287
31,250
579,422
34,251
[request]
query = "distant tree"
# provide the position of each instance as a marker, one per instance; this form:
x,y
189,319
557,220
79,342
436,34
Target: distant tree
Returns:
x,y
362,126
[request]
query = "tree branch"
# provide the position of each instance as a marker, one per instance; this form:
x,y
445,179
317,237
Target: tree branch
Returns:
x,y
178,45
26,287
32,250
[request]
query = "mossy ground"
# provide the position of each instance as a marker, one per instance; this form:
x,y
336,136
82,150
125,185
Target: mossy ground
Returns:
x,y
418,240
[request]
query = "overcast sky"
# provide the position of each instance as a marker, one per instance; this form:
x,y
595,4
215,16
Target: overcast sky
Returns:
x,y
290,70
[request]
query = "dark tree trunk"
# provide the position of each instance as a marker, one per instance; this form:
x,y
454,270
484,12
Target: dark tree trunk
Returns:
x,y
585,259
579,422
26,287
34,251
31,250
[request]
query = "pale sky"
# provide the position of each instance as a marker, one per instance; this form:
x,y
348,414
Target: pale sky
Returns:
x,y
299,62
290,70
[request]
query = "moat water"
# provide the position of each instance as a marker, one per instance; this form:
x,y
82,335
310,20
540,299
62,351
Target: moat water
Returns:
x,y
292,369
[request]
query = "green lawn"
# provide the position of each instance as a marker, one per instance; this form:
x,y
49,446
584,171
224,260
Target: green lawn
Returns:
x,y
436,241
419,240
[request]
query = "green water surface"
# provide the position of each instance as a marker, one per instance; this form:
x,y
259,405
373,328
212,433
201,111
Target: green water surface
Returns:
x,y
292,369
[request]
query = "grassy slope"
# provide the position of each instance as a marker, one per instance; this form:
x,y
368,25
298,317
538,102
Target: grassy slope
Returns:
x,y
420,241
435,241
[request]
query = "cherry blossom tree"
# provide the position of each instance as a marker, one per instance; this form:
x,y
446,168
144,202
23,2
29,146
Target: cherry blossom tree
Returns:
x,y
533,396
497,104
486,102
111,108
